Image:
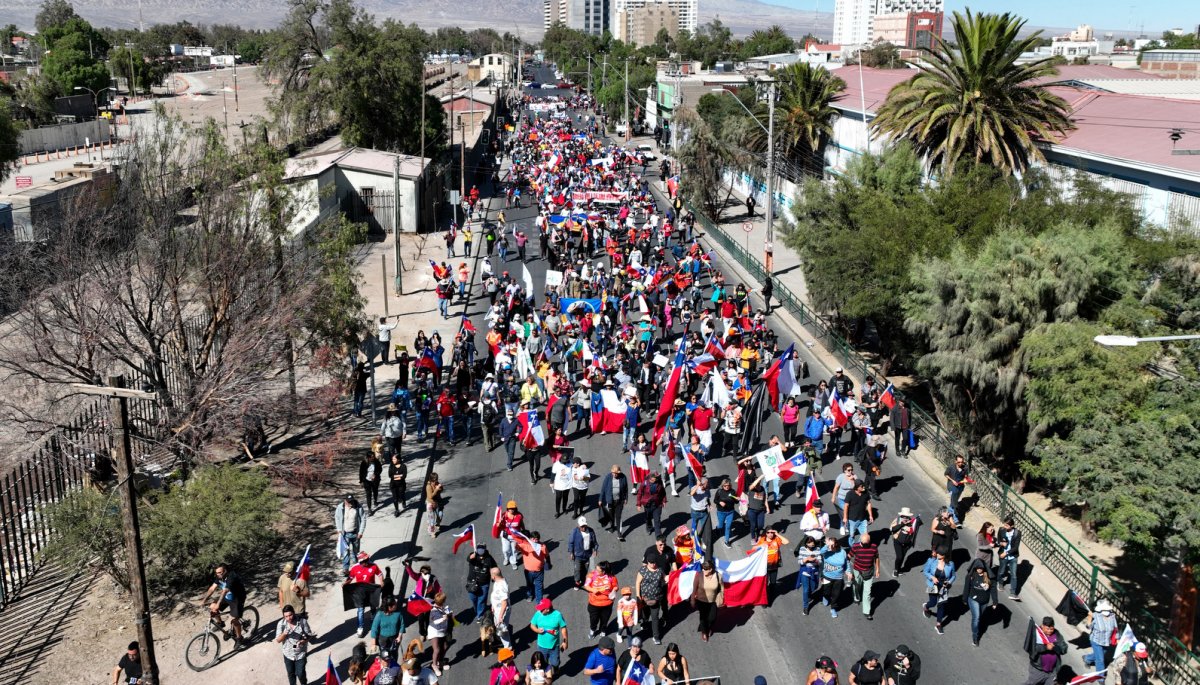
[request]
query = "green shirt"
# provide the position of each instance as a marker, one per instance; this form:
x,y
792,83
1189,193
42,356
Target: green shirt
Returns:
x,y
552,621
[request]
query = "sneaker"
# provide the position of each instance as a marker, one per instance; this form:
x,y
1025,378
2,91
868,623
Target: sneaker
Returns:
x,y
362,632
975,643
870,617
591,634
833,613
1014,598
620,639
938,628
726,543
657,641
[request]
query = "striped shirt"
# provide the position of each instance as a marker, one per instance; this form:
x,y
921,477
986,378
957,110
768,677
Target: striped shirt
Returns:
x,y
864,557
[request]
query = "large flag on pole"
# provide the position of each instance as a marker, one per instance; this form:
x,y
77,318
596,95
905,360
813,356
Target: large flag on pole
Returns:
x,y
710,358
331,675
835,408
1126,641
468,535
667,403
745,580
781,377
680,583
639,468
532,435
498,517
888,398
527,280
608,412
810,494
304,568
720,393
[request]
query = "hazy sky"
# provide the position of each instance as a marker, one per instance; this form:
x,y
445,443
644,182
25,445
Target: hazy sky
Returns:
x,y
1119,15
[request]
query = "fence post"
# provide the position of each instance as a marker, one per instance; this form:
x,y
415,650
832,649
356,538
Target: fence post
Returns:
x,y
1003,499
1092,587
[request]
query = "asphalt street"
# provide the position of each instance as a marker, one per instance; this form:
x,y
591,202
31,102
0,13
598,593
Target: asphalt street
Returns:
x,y
776,642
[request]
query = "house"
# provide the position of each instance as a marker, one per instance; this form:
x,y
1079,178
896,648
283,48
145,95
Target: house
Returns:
x,y
35,212
362,184
496,67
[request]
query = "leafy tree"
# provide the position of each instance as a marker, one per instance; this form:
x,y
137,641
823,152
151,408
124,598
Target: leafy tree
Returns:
x,y
803,115
69,66
82,34
87,524
716,109
882,55
704,156
7,33
251,49
10,150
972,310
53,13
146,73
221,514
975,102
771,41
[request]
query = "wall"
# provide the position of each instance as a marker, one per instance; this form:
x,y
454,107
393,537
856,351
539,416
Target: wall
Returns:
x,y
64,137
351,182
785,192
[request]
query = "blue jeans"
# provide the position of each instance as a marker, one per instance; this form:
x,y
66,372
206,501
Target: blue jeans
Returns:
x,y
758,522
479,600
422,425
699,518
976,611
510,450
1098,657
462,289
932,603
1008,567
358,403
583,417
627,436
552,657
361,612
446,424
533,583
808,585
470,420
725,522
955,493
818,445
351,550
444,306
773,486
295,669
856,528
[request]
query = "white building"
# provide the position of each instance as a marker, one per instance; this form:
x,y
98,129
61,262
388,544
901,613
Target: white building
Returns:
x,y
897,6
593,17
852,21
688,12
554,12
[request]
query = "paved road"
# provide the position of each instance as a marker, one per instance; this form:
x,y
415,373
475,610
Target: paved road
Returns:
x,y
777,641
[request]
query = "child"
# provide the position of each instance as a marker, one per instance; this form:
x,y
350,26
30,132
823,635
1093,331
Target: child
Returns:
x,y
627,614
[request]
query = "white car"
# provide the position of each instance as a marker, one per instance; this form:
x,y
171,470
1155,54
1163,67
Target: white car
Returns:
x,y
647,151
548,86
621,128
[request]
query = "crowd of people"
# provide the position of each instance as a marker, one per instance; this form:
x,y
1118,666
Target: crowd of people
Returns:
x,y
635,333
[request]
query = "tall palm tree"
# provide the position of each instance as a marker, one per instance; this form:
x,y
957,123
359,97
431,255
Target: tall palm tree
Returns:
x,y
971,101
803,115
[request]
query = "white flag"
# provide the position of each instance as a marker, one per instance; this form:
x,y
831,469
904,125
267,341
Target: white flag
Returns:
x,y
527,280
1126,643
720,393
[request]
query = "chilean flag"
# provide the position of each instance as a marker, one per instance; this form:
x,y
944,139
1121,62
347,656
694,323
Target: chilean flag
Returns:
x,y
427,360
636,675
888,398
745,580
639,469
331,676
694,462
680,583
439,272
667,404
1093,677
608,412
781,378
468,535
835,408
532,435
304,569
498,518
417,605
797,465
810,494
467,325
708,360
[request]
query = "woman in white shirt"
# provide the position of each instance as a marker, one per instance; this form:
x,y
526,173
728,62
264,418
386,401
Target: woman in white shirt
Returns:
x,y
581,476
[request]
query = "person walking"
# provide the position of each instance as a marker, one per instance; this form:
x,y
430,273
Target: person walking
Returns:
x,y
868,670
350,521
708,596
293,634
583,547
857,512
535,558
651,589
808,580
434,503
440,619
521,239
651,496
479,576
370,472
387,627
551,630
581,478
363,573
773,542
601,586
425,585
902,666
725,501
293,590
957,478
979,591
824,673
1102,634
614,493
510,430
1045,647
939,576
634,658
1008,542
397,484
601,665
560,483
835,571
384,335
898,422
1132,667
498,599
865,569
673,666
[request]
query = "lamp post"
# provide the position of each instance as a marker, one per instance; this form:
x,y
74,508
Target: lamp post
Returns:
x,y
769,129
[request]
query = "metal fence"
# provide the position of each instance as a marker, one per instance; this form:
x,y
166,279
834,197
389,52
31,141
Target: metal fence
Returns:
x,y
1177,665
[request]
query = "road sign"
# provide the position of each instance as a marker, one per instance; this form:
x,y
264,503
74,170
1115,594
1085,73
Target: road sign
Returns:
x,y
747,226
455,198
24,181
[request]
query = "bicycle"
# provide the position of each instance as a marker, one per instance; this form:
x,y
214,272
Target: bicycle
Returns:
x,y
204,649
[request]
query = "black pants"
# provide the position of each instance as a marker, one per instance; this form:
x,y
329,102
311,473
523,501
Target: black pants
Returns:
x,y
901,441
371,488
398,499
560,502
708,615
902,549
832,591
654,613
654,520
789,432
580,567
580,502
534,458
598,618
615,511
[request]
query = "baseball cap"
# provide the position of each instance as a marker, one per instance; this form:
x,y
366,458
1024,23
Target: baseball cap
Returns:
x,y
635,641
545,604
363,555
581,521
512,504
504,654
1140,651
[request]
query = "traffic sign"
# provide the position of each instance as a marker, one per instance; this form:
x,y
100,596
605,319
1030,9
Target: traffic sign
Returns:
x,y
747,226
24,181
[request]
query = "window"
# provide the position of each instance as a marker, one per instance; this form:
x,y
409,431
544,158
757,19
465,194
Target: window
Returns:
x,y
368,198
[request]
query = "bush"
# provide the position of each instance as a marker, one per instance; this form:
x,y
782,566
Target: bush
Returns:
x,y
88,526
222,514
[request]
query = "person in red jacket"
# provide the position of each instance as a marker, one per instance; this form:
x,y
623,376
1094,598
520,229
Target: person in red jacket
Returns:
x,y
446,404
651,496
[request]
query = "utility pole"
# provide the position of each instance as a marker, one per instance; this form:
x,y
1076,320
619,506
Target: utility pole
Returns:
x,y
399,225
421,185
462,166
589,62
471,86
768,260
118,405
628,128
604,72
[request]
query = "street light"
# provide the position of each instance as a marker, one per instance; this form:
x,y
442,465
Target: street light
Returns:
x,y
95,97
769,129
1130,341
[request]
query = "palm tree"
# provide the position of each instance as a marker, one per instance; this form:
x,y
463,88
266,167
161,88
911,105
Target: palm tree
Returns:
x,y
803,115
972,101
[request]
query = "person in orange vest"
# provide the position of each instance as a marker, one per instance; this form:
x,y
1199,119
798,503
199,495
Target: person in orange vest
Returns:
x,y
464,277
601,586
772,541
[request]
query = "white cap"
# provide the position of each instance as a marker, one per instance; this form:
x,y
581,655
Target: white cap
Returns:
x,y
581,521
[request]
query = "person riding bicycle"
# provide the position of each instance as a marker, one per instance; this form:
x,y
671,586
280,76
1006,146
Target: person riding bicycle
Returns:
x,y
232,594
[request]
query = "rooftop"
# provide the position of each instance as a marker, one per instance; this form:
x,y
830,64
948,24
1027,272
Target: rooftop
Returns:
x,y
357,159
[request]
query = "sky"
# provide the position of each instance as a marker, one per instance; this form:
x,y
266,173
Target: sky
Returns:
x,y
1115,15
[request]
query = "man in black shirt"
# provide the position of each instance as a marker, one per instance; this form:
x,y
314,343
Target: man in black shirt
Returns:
x,y
842,383
726,503
661,553
956,479
858,512
129,669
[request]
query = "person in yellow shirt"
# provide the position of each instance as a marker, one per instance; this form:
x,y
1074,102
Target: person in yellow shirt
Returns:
x,y
531,393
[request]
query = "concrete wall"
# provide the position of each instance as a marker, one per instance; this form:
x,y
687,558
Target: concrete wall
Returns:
x,y
64,137
785,192
351,182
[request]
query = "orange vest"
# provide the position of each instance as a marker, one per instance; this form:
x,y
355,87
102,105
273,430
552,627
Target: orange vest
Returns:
x,y
600,587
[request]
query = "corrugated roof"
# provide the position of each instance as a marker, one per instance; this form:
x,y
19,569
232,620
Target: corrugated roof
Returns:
x,y
359,159
1177,88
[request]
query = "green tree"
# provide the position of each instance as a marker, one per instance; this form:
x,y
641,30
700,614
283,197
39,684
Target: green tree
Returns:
x,y
87,524
882,55
146,73
53,13
975,102
972,310
705,155
10,150
771,41
69,66
803,115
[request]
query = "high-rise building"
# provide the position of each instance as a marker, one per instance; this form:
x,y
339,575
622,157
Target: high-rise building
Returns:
x,y
894,6
852,21
554,12
640,25
590,16
907,29
686,11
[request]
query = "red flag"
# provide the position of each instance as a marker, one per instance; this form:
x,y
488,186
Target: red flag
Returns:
x,y
417,605
427,360
498,519
694,463
439,272
468,535
667,404
888,398
331,676
467,325
835,408
741,482
304,569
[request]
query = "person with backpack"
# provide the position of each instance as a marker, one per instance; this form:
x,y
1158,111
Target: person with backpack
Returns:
x,y
351,522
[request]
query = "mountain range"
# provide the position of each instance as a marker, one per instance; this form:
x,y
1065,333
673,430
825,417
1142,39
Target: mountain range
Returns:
x,y
523,16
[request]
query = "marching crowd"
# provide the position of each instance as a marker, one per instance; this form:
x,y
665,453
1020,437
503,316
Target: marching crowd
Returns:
x,y
637,334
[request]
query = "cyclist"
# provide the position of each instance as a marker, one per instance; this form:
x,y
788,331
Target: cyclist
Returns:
x,y
231,594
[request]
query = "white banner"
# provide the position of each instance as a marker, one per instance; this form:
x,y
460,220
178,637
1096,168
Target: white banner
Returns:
x,y
769,461
554,278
